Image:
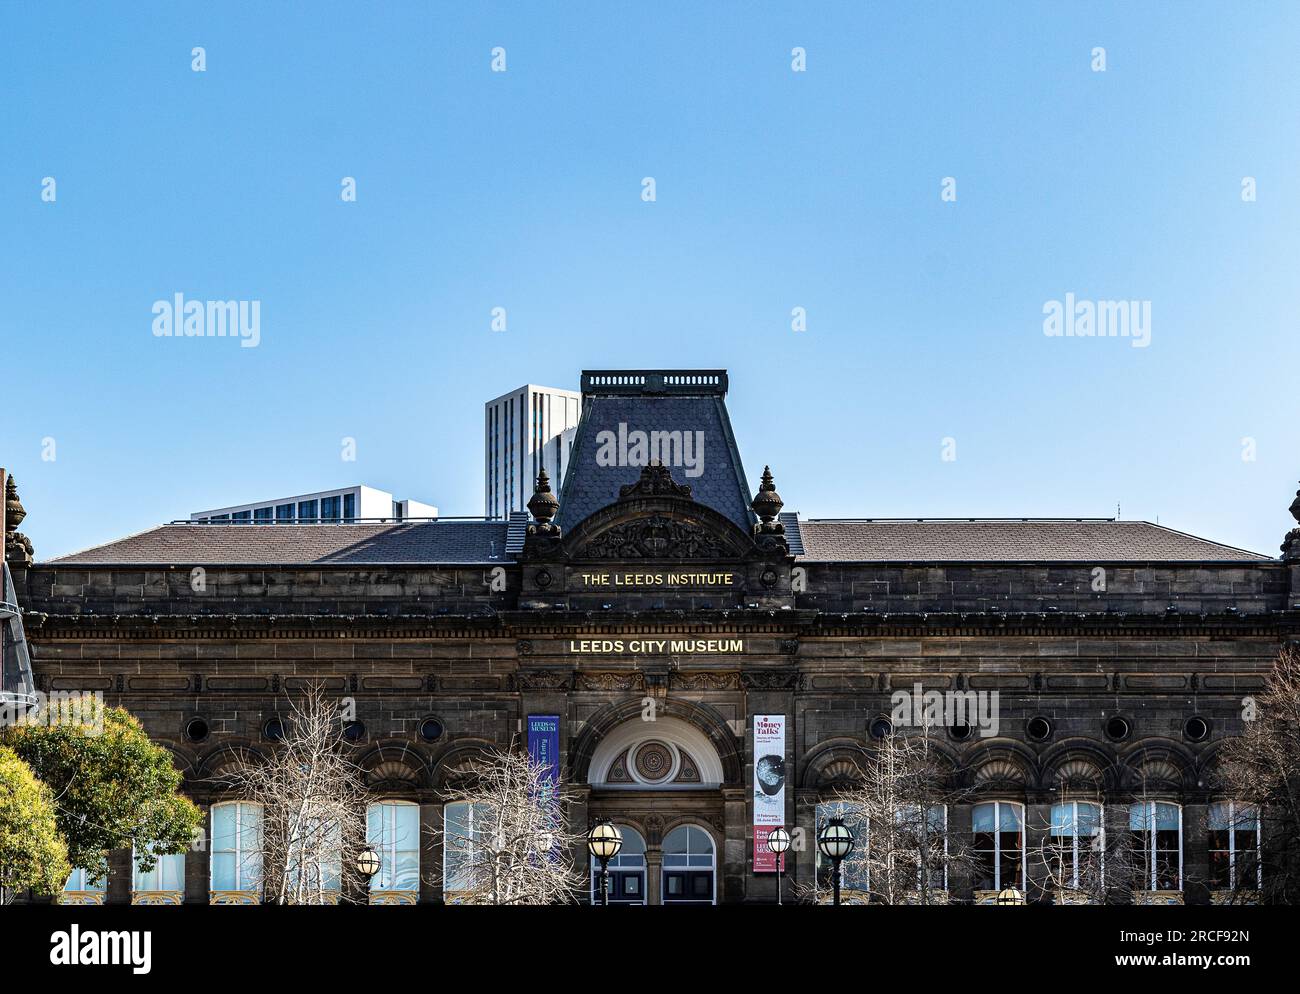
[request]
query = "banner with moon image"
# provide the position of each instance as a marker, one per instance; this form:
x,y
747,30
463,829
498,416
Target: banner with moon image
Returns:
x,y
769,787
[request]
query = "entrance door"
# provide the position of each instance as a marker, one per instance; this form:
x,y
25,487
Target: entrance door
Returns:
x,y
626,871
689,867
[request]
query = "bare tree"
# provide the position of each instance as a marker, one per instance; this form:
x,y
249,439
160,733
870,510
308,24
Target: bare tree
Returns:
x,y
902,799
1262,767
506,839
1081,862
313,802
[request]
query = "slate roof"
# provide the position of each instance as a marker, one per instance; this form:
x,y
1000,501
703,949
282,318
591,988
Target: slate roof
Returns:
x,y
588,486
1000,540
425,542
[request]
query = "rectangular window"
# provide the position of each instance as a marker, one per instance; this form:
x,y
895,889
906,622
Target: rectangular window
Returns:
x,y
350,508
393,828
999,848
1234,846
262,515
80,880
1077,848
236,846
284,513
307,512
331,508
1157,828
167,874
243,517
854,875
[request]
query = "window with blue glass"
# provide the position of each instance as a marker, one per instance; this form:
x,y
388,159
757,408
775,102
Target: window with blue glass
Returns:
x,y
284,512
262,515
307,510
331,508
349,508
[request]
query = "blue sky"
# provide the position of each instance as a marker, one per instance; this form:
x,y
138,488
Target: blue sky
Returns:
x,y
775,190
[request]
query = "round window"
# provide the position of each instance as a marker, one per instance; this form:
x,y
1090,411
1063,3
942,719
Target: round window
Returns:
x,y
1196,728
1038,728
1117,728
196,729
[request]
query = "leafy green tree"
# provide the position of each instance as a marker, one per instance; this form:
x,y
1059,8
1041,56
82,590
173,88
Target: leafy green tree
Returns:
x,y
32,853
112,787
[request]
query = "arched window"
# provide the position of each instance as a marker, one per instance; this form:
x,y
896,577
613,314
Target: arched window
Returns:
x,y
164,884
236,853
627,883
999,849
393,829
1077,846
1157,828
688,873
82,888
1234,846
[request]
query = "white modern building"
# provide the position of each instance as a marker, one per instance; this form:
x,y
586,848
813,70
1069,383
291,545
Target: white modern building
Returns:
x,y
525,431
346,504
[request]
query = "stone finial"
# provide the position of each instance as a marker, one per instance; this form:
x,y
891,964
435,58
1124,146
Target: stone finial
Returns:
x,y
1291,544
767,503
542,505
17,546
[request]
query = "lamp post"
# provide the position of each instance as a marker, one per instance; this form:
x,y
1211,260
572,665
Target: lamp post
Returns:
x,y
835,842
1009,895
778,842
368,864
603,842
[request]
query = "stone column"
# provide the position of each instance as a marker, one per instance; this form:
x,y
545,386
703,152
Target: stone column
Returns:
x,y
431,848
1196,855
119,877
198,863
1038,824
654,865
733,863
960,885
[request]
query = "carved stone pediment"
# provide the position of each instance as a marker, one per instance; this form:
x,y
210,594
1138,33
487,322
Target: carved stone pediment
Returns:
x,y
656,481
655,536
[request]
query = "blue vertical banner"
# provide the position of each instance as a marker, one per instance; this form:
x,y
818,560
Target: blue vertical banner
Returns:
x,y
544,743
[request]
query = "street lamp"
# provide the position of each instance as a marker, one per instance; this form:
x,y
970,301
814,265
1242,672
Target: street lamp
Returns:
x,y
368,864
778,842
1009,895
835,842
603,842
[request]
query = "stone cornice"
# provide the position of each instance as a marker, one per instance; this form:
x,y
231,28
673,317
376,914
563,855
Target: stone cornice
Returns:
x,y
559,623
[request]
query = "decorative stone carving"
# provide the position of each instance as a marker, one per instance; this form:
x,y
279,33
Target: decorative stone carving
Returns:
x,y
655,537
1290,544
610,681
789,647
656,481
543,680
543,506
767,503
17,546
524,647
706,681
770,679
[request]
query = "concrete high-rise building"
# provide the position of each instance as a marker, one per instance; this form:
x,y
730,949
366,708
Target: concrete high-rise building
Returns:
x,y
524,431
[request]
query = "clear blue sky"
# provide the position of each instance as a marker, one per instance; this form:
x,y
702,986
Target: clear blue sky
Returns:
x,y
775,190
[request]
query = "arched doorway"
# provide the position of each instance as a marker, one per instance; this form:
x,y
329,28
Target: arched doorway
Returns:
x,y
689,866
627,871
666,778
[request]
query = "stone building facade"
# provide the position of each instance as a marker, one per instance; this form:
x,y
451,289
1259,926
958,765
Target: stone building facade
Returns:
x,y
658,579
